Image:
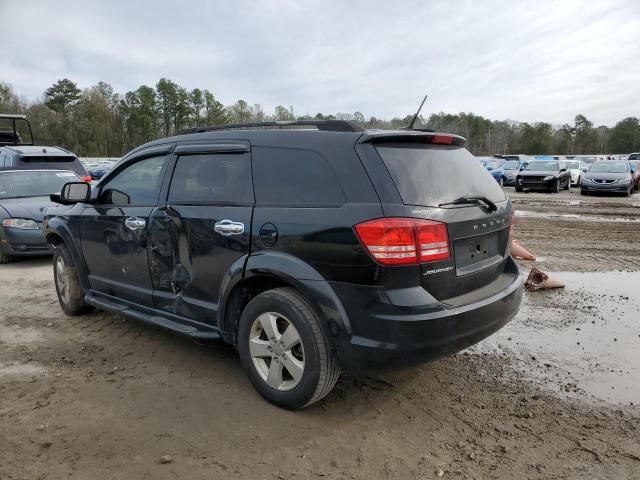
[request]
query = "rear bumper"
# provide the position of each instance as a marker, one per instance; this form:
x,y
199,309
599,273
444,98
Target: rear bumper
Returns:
x,y
18,243
389,331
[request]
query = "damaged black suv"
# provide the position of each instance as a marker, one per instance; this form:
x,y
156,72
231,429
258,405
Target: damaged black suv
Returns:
x,y
313,247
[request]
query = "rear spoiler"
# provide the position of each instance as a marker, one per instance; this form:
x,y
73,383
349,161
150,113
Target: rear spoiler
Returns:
x,y
412,136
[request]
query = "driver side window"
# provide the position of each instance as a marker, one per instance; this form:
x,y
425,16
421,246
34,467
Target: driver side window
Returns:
x,y
138,184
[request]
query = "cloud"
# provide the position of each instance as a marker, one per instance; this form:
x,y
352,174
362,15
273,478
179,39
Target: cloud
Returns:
x,y
530,61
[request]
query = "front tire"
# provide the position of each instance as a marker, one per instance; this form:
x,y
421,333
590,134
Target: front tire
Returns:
x,y
283,350
5,258
65,275
556,187
518,185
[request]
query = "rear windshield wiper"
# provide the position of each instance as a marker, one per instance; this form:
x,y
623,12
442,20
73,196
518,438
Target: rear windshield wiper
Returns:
x,y
472,201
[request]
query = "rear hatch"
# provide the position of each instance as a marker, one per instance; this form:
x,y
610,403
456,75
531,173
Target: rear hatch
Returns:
x,y
428,177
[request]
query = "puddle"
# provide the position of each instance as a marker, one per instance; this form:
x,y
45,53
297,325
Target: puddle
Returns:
x,y
20,370
576,216
585,338
19,335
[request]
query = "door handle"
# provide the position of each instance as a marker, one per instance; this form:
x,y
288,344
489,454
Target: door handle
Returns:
x,y
228,227
135,223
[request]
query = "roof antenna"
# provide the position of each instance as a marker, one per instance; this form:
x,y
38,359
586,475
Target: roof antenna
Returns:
x,y
415,117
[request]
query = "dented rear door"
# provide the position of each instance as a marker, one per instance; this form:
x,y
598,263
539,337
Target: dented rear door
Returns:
x,y
202,230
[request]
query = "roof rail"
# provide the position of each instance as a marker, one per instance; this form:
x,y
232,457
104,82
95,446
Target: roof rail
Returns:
x,y
12,115
323,125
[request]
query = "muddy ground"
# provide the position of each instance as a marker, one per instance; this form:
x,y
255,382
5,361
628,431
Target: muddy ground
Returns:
x,y
553,395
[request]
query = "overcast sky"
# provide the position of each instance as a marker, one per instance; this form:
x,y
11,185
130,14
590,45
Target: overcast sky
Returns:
x,y
520,60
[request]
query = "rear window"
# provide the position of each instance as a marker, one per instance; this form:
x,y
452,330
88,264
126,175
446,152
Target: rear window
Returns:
x,y
295,177
429,176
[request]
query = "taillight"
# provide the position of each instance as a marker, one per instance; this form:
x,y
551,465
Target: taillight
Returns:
x,y
86,178
441,139
404,241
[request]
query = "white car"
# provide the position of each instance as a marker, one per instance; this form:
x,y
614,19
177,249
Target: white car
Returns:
x,y
575,168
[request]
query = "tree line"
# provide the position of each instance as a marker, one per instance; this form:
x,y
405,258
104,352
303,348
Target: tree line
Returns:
x,y
100,122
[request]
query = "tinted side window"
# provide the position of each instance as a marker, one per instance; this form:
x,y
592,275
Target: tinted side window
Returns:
x,y
138,184
294,177
212,178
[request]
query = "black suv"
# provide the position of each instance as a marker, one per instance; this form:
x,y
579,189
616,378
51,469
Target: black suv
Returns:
x,y
312,250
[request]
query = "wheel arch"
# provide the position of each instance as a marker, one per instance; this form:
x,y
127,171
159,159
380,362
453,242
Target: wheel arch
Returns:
x,y
268,271
57,233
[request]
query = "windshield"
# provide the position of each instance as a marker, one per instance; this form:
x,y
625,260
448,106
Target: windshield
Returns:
x,y
427,175
588,160
29,183
573,165
492,164
511,165
609,167
542,166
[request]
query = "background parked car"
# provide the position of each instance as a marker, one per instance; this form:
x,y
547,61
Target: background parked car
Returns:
x,y
511,169
587,161
24,199
575,169
608,176
549,175
494,167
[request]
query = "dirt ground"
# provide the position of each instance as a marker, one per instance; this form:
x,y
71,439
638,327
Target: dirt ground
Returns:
x,y
554,394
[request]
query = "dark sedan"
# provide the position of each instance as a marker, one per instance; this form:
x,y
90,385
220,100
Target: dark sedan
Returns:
x,y
608,176
548,175
24,198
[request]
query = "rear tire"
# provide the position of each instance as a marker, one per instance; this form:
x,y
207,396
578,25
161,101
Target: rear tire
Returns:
x,y
65,275
290,368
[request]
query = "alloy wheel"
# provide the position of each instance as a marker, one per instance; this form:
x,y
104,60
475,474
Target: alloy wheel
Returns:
x,y
276,351
62,278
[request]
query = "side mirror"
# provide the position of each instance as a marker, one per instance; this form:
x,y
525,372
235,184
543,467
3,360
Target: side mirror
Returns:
x,y
73,192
